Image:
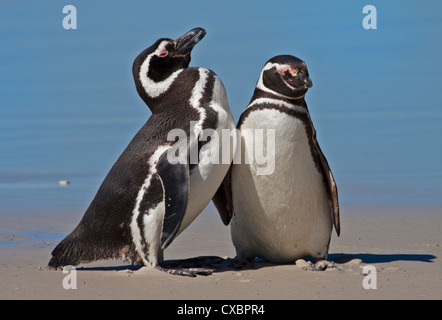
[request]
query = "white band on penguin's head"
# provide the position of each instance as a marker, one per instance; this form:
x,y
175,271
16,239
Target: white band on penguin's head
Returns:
x,y
154,89
268,66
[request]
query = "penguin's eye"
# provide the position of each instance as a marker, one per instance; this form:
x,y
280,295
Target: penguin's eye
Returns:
x,y
288,72
288,76
163,53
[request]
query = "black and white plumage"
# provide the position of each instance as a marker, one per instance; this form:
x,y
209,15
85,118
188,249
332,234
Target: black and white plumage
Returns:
x,y
145,201
288,214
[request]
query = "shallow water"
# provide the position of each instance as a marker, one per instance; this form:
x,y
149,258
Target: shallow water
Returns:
x,y
38,238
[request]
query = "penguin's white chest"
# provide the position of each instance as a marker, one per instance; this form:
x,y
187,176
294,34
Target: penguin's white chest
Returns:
x,y
286,214
205,179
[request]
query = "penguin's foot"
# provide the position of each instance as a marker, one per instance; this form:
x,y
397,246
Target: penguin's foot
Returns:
x,y
191,267
189,272
321,265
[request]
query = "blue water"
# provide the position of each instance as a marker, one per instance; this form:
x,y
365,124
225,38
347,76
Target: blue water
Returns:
x,y
68,105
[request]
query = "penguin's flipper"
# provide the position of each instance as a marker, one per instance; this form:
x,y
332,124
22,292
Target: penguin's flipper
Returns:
x,y
175,180
223,198
333,190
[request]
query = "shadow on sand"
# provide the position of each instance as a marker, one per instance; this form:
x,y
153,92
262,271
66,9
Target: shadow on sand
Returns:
x,y
380,258
218,264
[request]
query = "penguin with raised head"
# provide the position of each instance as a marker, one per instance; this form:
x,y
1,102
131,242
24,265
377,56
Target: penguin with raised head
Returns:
x,y
286,213
151,194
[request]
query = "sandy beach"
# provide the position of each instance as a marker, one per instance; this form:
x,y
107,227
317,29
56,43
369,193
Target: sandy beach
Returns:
x,y
403,248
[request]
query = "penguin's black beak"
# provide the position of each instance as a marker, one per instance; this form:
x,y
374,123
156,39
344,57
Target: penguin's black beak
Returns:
x,y
304,80
186,42
300,81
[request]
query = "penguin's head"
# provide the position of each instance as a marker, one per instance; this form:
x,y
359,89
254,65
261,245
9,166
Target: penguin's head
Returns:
x,y
161,60
285,76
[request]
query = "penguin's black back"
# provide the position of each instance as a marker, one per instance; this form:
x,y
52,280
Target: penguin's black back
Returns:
x,y
105,227
104,231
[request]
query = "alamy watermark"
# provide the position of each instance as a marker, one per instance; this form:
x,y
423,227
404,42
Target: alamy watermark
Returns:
x,y
70,281
368,282
370,277
248,146
70,20
370,20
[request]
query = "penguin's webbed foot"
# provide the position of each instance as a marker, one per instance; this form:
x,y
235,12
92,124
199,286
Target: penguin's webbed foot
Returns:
x,y
322,264
191,267
189,272
317,265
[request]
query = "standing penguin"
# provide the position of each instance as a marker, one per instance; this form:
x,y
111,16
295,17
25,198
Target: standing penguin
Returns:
x,y
146,200
289,213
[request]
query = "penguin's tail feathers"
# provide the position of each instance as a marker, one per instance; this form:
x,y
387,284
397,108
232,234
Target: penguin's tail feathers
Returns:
x,y
69,252
85,246
80,247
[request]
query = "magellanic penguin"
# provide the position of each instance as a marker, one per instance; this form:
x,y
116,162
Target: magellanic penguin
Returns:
x,y
147,199
286,213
